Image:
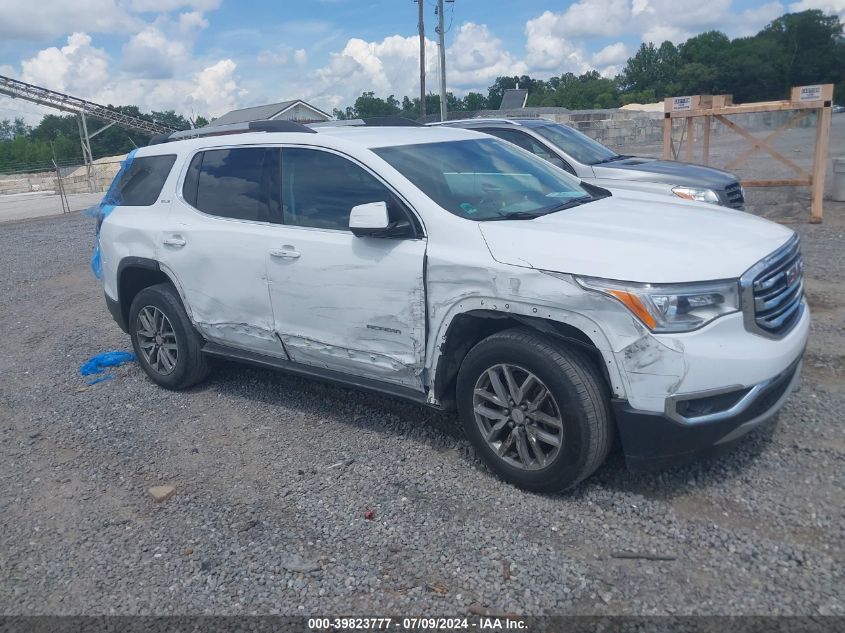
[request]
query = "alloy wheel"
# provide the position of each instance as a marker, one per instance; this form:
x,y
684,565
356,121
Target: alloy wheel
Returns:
x,y
518,417
157,340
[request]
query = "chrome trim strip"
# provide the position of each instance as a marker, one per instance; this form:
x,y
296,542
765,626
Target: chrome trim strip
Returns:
x,y
737,409
747,283
742,429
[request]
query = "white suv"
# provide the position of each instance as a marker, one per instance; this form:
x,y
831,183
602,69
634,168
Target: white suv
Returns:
x,y
454,269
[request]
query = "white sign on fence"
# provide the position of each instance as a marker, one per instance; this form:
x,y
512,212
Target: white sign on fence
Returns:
x,y
810,93
681,103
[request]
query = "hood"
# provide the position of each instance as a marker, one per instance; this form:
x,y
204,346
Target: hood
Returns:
x,y
665,171
638,237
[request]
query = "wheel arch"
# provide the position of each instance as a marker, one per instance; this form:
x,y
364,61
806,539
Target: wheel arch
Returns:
x,y
133,275
466,329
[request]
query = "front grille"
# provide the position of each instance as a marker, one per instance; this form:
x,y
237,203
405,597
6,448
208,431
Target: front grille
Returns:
x,y
775,291
734,195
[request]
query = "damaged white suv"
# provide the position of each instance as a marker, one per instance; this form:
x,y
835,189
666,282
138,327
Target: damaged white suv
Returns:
x,y
454,269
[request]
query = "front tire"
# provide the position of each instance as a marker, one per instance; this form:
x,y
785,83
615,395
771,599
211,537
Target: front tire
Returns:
x,y
165,342
536,410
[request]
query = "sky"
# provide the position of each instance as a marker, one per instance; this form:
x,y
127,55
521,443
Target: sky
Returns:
x,y
206,57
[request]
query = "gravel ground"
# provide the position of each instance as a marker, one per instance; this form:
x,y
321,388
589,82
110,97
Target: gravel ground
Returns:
x,y
274,475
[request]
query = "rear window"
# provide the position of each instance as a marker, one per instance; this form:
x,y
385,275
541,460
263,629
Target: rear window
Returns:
x,y
141,183
240,183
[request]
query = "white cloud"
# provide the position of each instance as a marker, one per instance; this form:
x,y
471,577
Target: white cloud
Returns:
x,y
477,57
52,18
589,18
548,50
611,54
81,69
165,6
828,6
751,21
77,66
281,56
216,90
150,54
390,66
554,41
192,20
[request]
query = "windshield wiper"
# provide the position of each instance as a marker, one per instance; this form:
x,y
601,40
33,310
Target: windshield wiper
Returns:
x,y
574,202
516,215
611,159
530,215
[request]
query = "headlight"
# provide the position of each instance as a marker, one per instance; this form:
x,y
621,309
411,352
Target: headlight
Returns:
x,y
694,193
671,307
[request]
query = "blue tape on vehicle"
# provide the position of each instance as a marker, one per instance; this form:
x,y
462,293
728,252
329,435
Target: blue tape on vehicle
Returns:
x,y
97,364
102,210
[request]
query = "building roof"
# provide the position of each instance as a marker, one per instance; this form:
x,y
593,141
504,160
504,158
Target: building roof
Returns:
x,y
514,99
264,112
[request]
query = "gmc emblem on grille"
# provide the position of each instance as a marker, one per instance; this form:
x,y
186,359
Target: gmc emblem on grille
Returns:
x,y
792,273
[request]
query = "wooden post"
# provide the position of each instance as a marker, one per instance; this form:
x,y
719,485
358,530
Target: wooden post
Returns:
x,y
803,100
690,138
820,164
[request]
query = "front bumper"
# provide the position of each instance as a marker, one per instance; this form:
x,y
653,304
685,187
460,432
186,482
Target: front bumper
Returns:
x,y
658,440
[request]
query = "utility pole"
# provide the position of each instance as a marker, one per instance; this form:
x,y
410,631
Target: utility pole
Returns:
x,y
441,31
421,28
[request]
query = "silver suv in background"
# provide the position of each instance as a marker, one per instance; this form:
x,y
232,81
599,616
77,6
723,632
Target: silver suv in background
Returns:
x,y
592,162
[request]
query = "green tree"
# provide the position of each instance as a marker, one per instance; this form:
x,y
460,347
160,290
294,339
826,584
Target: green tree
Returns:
x,y
475,101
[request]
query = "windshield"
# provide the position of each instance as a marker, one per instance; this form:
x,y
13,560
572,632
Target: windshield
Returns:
x,y
582,148
484,179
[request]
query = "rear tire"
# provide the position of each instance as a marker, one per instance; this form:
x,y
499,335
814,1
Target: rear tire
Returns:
x,y
164,339
536,410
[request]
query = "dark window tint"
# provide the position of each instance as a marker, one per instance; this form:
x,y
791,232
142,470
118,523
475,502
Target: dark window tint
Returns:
x,y
192,179
142,181
582,148
236,183
522,140
319,190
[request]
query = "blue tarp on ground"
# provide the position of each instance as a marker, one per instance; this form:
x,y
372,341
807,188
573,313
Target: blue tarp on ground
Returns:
x,y
97,364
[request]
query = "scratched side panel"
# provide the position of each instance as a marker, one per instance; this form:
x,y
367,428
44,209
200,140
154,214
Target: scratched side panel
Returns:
x,y
462,277
350,304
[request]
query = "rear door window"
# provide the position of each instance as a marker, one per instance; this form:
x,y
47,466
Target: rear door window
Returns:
x,y
239,183
141,183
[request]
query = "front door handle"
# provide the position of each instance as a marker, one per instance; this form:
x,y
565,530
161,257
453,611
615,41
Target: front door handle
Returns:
x,y
176,241
285,252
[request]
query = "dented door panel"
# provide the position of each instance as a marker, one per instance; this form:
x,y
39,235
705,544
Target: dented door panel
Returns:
x,y
350,304
221,270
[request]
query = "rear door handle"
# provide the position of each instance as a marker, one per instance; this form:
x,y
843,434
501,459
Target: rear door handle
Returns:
x,y
176,241
286,252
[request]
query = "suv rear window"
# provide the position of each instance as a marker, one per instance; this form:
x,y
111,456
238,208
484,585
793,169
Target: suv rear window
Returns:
x,y
239,183
140,185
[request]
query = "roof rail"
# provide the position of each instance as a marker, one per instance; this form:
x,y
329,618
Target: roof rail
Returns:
x,y
373,121
391,121
480,119
233,128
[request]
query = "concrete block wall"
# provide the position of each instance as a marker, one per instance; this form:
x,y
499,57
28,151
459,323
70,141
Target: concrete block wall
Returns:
x,y
74,179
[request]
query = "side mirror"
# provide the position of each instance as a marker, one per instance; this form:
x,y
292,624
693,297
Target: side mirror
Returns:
x,y
369,219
